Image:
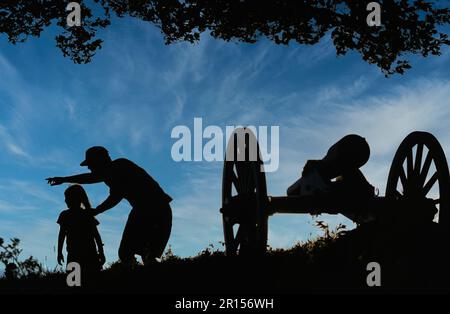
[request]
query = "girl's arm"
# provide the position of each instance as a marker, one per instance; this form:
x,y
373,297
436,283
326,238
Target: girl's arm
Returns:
x,y
61,238
98,241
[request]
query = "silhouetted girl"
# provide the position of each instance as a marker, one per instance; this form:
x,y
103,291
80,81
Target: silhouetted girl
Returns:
x,y
78,225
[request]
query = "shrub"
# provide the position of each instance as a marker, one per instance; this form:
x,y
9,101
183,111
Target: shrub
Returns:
x,y
14,267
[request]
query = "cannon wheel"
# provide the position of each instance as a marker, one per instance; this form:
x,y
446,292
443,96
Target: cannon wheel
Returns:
x,y
244,197
420,171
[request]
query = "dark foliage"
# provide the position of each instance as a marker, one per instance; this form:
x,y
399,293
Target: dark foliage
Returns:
x,y
408,27
14,267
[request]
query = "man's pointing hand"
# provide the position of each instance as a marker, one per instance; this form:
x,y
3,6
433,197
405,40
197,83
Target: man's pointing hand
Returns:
x,y
55,181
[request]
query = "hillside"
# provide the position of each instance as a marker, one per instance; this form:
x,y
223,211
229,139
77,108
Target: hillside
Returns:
x,y
334,263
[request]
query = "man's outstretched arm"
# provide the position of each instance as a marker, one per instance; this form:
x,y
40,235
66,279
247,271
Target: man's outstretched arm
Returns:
x,y
85,178
111,201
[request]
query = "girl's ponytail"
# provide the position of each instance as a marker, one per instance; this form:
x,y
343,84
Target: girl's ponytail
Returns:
x,y
85,199
77,191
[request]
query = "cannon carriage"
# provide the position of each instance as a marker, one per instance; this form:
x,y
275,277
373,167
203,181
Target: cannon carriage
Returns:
x,y
417,190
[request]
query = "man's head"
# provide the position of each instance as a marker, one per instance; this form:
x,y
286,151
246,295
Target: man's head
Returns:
x,y
97,159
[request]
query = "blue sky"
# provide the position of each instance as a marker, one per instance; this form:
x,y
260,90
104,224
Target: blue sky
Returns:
x,y
137,89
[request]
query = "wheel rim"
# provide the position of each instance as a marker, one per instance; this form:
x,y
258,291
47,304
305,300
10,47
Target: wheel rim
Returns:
x,y
244,196
420,171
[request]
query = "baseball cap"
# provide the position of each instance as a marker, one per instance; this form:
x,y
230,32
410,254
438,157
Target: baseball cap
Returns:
x,y
94,154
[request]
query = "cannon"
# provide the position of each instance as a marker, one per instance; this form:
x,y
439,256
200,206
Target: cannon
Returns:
x,y
417,190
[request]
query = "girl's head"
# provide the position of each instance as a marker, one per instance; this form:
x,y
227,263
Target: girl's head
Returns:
x,y
76,197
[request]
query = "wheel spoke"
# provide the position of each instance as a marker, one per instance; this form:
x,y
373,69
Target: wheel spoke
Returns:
x,y
239,177
233,246
418,161
229,236
235,180
240,234
409,163
248,163
402,176
425,168
234,243
430,183
235,146
246,180
242,175
251,181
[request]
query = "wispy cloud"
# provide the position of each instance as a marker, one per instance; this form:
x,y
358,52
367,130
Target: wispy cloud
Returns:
x,y
11,144
7,69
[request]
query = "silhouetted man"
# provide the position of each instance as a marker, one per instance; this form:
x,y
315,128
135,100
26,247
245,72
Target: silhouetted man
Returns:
x,y
149,223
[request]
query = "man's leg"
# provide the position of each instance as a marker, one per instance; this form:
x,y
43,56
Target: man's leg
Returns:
x,y
126,256
158,239
126,248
